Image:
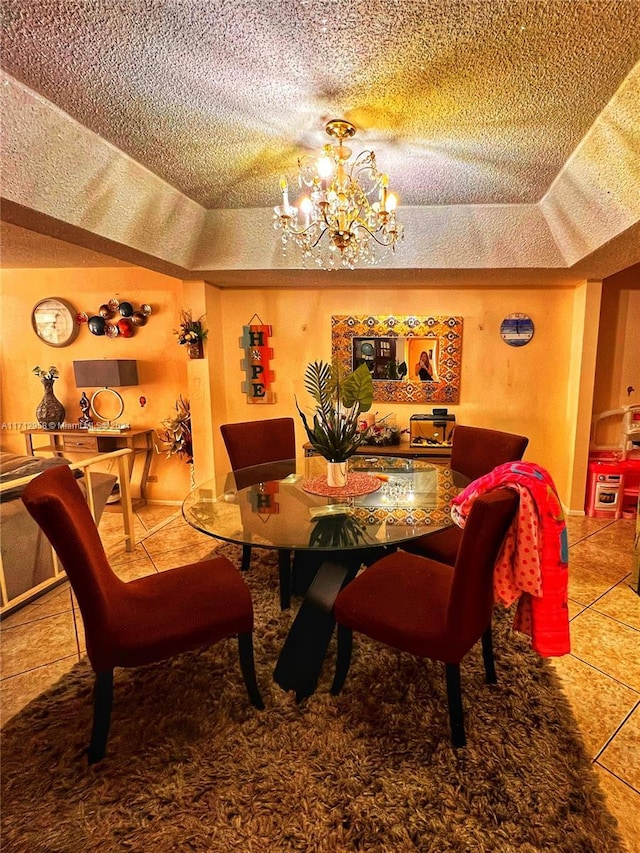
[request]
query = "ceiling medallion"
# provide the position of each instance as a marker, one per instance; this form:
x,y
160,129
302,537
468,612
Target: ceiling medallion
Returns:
x,y
347,215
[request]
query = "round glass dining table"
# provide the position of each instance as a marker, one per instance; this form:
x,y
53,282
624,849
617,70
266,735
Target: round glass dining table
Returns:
x,y
288,506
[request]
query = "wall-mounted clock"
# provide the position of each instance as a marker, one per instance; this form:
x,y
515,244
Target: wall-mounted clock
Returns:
x,y
516,329
54,321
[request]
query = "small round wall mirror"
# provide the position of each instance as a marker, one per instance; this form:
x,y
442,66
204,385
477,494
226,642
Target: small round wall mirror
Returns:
x,y
54,321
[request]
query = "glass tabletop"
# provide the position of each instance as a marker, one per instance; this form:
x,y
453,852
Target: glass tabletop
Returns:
x,y
277,505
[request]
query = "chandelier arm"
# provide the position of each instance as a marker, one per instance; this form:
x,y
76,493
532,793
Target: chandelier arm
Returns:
x,y
309,227
366,167
313,245
368,155
357,224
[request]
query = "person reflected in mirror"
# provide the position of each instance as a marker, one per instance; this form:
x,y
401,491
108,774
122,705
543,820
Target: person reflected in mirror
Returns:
x,y
424,367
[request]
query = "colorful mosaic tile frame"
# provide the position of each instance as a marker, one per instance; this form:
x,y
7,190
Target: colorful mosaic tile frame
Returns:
x,y
447,331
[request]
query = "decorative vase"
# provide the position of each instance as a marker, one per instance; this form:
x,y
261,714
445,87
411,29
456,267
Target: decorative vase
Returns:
x,y
336,474
195,350
50,412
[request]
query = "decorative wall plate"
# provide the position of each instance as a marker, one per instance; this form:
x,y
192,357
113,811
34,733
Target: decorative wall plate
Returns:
x,y
516,329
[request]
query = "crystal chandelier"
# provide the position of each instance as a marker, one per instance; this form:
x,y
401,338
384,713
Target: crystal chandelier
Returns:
x,y
347,215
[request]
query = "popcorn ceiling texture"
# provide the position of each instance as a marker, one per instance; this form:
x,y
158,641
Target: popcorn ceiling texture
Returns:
x,y
205,103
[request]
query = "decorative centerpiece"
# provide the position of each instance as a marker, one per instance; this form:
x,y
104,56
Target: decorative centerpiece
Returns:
x,y
50,412
191,334
340,400
383,433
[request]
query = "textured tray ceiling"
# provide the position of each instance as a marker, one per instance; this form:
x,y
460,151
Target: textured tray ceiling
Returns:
x,y
465,103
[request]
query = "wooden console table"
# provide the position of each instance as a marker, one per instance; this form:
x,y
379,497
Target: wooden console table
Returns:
x,y
64,441
403,450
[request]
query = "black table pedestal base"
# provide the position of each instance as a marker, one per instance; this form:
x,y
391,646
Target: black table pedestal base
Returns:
x,y
305,648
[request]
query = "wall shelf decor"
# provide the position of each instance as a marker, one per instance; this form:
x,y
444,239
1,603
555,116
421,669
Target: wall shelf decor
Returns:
x,y
411,359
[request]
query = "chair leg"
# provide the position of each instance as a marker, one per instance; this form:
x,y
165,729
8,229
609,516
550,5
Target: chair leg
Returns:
x,y
284,570
343,658
487,656
454,697
102,702
247,665
246,558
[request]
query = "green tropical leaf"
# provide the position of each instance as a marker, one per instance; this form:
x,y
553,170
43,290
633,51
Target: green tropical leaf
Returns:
x,y
358,388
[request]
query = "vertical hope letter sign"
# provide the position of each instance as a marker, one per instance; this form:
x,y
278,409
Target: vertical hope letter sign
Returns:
x,y
255,342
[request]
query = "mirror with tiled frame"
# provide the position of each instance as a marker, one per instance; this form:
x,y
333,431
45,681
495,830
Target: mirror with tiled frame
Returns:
x,y
411,359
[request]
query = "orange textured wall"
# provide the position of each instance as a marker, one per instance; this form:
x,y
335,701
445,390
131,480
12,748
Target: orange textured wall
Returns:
x,y
521,390
516,389
162,364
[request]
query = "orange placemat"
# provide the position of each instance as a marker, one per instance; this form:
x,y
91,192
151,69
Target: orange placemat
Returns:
x,y
357,484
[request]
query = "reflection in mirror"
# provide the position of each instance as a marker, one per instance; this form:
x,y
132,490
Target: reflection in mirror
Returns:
x,y
411,359
398,358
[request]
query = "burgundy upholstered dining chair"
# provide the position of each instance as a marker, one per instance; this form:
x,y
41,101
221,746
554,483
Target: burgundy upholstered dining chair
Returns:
x,y
475,452
147,619
252,443
421,606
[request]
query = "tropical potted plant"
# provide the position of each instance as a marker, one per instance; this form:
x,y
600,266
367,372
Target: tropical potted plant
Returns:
x,y
340,400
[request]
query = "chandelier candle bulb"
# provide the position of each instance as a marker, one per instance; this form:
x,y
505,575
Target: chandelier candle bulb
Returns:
x,y
305,206
384,183
285,194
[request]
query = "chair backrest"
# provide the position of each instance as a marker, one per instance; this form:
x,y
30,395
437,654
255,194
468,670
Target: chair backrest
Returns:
x,y
471,600
56,502
256,442
477,451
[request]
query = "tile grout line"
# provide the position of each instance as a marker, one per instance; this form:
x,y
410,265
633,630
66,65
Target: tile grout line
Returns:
x,y
602,672
615,776
635,708
8,678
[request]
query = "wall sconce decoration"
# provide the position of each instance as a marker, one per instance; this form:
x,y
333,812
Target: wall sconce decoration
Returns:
x,y
258,353
115,319
191,334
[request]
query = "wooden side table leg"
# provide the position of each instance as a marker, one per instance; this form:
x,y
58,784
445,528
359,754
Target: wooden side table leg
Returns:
x,y
125,503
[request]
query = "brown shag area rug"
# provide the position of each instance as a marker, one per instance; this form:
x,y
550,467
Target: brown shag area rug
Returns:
x,y
191,766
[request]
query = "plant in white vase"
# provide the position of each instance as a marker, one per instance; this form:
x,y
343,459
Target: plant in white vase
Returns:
x,y
340,400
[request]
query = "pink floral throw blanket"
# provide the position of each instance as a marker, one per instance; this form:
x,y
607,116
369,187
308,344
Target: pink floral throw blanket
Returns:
x,y
532,567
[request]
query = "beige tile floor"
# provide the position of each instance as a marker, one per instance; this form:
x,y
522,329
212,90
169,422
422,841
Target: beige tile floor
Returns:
x,y
601,676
